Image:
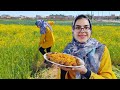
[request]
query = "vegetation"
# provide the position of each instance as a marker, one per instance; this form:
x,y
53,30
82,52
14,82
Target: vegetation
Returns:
x,y
57,22
19,55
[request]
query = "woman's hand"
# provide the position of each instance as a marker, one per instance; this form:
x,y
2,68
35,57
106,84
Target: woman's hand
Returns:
x,y
66,68
81,69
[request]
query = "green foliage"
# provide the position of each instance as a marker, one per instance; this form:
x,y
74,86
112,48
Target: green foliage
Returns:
x,y
57,22
19,54
16,21
116,70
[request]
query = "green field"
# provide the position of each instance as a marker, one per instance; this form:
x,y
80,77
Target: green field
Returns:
x,y
19,54
57,22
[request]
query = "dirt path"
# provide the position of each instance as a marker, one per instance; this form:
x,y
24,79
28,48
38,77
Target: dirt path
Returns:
x,y
47,73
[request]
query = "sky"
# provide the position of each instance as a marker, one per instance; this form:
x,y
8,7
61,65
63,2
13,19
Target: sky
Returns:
x,y
47,13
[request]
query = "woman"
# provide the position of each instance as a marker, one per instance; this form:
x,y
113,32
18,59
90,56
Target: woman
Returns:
x,y
92,52
47,38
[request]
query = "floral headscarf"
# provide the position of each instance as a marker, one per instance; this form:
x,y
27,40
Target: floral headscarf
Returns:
x,y
43,26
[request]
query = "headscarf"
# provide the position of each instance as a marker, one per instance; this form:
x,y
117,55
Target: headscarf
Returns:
x,y
84,51
42,24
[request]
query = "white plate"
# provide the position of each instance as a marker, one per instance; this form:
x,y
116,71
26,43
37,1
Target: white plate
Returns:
x,y
81,61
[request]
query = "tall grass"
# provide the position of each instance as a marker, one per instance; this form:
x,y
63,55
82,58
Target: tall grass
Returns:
x,y
110,36
19,46
18,49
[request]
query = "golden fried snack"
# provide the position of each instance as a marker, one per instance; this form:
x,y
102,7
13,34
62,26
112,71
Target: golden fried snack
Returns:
x,y
64,59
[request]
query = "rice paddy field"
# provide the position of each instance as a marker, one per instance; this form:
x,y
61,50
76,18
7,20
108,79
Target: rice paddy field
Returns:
x,y
19,55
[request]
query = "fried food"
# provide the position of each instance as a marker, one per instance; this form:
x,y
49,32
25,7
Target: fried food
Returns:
x,y
64,59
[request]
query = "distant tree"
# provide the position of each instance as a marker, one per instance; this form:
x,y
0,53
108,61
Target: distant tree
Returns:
x,y
89,16
117,18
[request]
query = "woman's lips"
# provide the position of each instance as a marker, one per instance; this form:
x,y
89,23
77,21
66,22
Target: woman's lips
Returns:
x,y
82,36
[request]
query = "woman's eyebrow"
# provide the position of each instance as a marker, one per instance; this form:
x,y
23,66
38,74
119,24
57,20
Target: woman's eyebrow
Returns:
x,y
86,25
81,25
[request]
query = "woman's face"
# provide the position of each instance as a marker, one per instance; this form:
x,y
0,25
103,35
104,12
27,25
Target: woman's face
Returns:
x,y
82,30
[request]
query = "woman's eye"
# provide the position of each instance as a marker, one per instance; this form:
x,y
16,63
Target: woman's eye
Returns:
x,y
77,28
86,28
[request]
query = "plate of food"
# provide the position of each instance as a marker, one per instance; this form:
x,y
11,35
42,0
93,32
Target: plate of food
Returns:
x,y
63,59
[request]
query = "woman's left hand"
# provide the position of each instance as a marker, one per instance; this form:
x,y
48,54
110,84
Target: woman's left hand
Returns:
x,y
81,69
